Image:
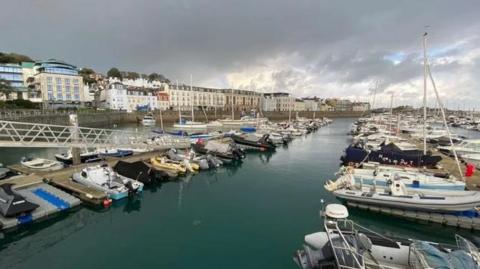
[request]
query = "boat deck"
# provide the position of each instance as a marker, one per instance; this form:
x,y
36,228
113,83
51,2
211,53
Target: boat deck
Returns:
x,y
50,200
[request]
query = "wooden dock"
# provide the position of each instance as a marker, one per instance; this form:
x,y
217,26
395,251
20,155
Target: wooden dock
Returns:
x,y
62,178
448,164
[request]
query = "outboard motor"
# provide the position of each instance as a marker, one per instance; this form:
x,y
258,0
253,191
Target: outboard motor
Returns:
x,y
203,163
131,189
172,155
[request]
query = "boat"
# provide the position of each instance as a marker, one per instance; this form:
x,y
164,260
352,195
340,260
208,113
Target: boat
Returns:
x,y
391,153
40,164
250,140
13,204
396,195
345,244
148,120
382,176
243,121
165,163
472,158
248,129
103,178
191,159
190,125
102,153
468,146
140,171
225,149
85,157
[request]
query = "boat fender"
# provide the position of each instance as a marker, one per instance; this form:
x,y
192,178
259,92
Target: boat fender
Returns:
x,y
107,203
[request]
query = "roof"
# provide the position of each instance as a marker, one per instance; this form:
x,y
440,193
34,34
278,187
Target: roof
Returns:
x,y
28,64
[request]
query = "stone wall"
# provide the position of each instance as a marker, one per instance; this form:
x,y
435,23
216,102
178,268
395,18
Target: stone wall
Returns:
x,y
108,118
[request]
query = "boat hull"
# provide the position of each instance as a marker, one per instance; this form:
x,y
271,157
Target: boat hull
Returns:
x,y
427,203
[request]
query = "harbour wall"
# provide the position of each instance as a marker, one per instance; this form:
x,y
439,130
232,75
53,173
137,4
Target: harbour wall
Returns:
x,y
108,118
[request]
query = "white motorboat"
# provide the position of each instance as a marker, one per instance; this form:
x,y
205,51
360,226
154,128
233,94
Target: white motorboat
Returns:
x,y
103,178
397,195
472,158
470,146
381,176
40,164
345,244
148,120
190,125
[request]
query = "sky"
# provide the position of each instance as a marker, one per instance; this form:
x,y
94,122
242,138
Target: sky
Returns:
x,y
307,48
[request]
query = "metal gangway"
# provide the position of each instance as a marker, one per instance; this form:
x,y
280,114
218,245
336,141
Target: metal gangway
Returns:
x,y
24,134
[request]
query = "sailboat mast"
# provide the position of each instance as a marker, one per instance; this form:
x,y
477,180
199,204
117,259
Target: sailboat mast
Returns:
x,y
233,112
424,93
191,96
179,108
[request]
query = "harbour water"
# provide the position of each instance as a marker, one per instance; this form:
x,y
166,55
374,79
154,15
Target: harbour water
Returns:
x,y
250,216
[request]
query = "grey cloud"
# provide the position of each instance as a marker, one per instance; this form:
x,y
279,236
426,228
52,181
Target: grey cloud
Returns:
x,y
344,41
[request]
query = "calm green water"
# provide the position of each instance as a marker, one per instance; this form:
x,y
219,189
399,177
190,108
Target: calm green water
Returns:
x,y
251,216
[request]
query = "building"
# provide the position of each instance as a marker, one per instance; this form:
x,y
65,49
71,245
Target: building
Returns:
x,y
269,102
59,83
323,106
114,97
360,106
184,97
243,100
139,98
299,105
12,76
311,104
163,100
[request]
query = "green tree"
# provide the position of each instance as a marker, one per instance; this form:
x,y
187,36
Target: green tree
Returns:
x,y
114,73
86,74
14,58
144,76
157,77
5,88
132,75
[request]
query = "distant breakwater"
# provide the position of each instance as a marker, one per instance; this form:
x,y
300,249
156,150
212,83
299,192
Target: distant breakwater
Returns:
x,y
109,118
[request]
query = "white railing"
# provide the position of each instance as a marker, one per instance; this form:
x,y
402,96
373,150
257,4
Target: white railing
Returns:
x,y
22,134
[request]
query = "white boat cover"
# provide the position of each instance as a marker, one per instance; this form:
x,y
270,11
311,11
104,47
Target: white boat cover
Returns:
x,y
216,146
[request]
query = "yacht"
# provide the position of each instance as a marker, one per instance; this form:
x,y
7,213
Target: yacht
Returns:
x,y
148,120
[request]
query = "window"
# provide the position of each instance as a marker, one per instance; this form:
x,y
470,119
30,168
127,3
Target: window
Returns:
x,y
67,81
59,81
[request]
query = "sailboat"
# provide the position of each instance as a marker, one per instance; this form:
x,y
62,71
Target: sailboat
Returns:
x,y
185,124
243,121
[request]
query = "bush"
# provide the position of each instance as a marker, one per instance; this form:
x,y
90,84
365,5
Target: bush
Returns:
x,y
19,104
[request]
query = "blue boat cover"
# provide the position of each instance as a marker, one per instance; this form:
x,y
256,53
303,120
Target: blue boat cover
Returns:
x,y
24,219
51,198
248,129
458,259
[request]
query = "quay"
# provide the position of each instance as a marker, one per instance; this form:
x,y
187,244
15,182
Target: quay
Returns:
x,y
449,165
62,178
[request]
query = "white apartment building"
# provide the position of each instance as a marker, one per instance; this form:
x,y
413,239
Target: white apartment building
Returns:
x,y
279,101
141,98
58,82
184,97
311,104
114,97
299,105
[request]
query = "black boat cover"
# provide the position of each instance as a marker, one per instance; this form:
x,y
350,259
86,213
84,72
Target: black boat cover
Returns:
x,y
12,203
140,171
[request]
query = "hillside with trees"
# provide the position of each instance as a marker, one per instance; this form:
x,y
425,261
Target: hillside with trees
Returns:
x,y
13,58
